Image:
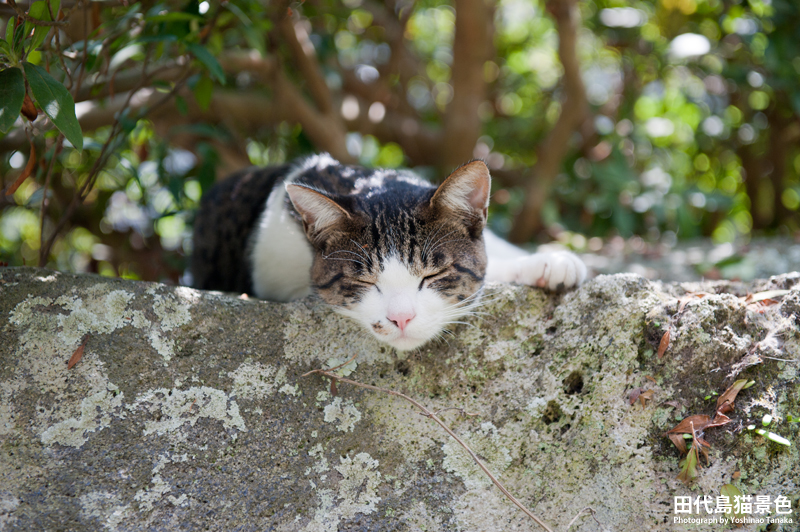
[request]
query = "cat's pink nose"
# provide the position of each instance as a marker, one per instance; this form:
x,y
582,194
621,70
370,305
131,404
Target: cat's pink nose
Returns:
x,y
401,319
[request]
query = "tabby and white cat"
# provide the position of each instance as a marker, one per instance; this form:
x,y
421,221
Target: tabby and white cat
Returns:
x,y
398,255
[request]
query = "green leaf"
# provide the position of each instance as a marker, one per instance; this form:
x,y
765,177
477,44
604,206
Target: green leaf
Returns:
x,y
5,50
126,121
689,465
39,11
10,31
157,38
56,102
12,92
211,63
18,39
203,90
173,17
180,105
776,438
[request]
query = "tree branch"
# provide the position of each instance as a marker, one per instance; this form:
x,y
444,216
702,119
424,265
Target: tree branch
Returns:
x,y
574,112
326,131
302,50
472,47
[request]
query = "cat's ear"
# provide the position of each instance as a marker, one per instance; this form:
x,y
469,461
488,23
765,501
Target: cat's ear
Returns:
x,y
466,190
319,212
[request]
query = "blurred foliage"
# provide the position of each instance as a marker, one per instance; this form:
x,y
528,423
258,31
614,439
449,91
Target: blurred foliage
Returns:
x,y
695,118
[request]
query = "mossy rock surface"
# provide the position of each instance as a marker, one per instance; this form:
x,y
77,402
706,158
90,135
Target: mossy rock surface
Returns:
x,y
188,410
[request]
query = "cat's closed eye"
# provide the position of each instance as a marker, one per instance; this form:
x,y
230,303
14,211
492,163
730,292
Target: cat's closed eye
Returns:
x,y
428,278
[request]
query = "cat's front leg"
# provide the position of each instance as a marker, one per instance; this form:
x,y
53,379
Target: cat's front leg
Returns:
x,y
547,269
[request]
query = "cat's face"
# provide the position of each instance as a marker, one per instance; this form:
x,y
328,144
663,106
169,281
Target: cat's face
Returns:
x,y
404,264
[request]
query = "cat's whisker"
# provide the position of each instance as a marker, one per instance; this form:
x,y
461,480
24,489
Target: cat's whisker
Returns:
x,y
474,299
348,260
439,337
362,253
431,247
359,255
440,242
460,323
433,235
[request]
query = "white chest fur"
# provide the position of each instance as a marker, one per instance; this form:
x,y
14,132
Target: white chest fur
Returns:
x,y
281,255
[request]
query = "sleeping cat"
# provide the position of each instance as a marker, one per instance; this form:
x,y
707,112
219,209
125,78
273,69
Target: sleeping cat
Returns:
x,y
388,249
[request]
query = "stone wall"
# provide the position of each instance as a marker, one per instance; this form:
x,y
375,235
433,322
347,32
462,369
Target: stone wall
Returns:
x,y
188,410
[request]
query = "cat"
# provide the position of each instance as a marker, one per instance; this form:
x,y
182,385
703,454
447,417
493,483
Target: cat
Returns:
x,y
400,256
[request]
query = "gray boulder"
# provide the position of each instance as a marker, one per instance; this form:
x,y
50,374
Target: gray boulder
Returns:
x,y
189,410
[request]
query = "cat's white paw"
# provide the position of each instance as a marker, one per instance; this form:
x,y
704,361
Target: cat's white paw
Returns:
x,y
551,269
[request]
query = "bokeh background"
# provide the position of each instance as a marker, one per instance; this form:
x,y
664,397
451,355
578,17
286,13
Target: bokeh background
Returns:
x,y
607,124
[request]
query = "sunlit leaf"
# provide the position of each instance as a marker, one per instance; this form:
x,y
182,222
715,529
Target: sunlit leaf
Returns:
x,y
56,102
12,93
778,439
40,11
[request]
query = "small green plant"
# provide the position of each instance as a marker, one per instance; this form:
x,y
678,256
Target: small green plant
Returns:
x,y
766,421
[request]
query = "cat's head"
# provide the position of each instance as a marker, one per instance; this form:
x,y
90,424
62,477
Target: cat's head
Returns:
x,y
404,259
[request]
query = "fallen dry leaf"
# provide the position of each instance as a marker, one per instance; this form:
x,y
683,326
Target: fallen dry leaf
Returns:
x,y
719,420
663,345
635,393
768,294
725,401
691,424
644,396
702,448
678,441
651,379
78,354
